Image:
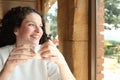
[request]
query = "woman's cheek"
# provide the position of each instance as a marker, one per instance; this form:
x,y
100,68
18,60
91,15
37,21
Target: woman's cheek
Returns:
x,y
41,32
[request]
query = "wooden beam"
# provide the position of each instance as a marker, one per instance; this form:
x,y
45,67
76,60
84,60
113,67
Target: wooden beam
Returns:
x,y
40,7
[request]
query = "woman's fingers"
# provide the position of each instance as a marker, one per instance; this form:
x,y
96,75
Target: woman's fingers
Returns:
x,y
47,43
24,50
20,56
21,53
49,52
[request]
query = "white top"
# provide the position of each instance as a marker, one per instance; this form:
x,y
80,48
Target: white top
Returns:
x,y
34,69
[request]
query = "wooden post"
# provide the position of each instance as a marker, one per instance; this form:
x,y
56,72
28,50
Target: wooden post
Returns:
x,y
73,35
40,6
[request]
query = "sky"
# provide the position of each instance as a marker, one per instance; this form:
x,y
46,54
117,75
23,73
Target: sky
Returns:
x,y
112,35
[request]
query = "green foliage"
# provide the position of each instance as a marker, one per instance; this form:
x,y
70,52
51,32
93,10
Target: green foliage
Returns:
x,y
114,43
112,13
52,20
112,49
109,50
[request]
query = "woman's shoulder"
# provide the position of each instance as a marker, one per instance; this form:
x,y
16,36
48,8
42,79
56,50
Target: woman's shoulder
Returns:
x,y
4,51
6,48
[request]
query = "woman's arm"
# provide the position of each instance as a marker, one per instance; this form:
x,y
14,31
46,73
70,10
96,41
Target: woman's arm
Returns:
x,y
5,72
4,75
65,71
50,53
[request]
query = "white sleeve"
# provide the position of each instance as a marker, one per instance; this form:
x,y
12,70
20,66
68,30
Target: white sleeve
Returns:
x,y
53,71
1,63
4,53
1,59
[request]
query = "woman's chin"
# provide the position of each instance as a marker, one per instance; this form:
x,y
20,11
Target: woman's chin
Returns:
x,y
35,43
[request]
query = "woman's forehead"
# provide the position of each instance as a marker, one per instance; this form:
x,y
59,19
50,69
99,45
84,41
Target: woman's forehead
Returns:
x,y
33,17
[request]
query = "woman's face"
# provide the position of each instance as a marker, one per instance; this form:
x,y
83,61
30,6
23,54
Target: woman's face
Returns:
x,y
30,30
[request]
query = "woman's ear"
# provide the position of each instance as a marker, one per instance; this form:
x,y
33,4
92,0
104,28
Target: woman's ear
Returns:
x,y
16,31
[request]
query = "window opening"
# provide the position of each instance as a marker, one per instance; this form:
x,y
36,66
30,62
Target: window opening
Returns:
x,y
51,23
111,40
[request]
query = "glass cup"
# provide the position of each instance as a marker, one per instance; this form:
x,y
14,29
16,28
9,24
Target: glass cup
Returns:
x,y
36,49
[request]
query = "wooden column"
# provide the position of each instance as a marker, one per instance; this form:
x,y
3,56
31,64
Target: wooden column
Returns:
x,y
73,35
40,6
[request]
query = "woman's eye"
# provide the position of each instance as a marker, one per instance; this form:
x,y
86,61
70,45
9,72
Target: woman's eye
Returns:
x,y
31,25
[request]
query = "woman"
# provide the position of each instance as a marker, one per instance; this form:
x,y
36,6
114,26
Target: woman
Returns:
x,y
25,26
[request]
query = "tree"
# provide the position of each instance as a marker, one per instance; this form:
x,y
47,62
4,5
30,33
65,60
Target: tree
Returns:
x,y
112,13
112,47
51,18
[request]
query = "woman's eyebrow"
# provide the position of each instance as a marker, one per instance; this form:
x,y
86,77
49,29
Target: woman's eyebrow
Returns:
x,y
29,21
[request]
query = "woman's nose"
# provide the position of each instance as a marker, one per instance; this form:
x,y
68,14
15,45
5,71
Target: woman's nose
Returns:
x,y
37,29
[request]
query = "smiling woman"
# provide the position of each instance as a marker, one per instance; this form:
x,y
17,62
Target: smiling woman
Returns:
x,y
22,29
30,31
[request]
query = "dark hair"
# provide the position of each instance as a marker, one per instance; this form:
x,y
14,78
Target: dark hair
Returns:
x,y
13,18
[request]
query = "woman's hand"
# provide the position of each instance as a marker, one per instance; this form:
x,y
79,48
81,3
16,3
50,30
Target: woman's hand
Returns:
x,y
49,52
17,56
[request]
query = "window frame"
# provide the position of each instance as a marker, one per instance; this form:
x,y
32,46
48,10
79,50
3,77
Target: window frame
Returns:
x,y
92,39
